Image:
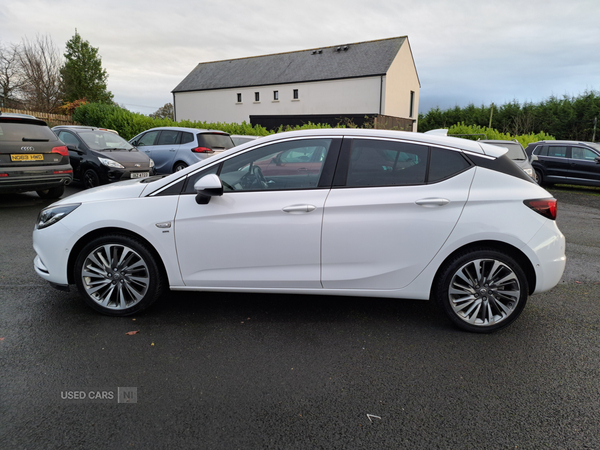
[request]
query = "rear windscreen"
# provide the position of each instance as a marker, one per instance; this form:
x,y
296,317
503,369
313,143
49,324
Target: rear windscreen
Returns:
x,y
22,132
215,140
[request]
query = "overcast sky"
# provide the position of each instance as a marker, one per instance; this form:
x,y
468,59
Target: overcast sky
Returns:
x,y
466,51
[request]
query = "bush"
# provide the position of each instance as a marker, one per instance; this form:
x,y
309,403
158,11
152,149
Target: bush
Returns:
x,y
493,134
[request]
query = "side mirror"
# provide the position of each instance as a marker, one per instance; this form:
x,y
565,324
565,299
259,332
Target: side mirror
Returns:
x,y
534,158
74,148
206,187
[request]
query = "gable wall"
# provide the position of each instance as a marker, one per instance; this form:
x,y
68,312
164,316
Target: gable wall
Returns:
x,y
400,80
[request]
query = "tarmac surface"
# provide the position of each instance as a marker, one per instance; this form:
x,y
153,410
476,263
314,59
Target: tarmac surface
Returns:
x,y
239,371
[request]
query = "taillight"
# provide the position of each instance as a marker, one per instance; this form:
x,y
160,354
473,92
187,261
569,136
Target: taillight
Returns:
x,y
202,150
60,172
545,206
62,150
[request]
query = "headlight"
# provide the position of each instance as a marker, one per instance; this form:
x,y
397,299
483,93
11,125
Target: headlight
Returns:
x,y
529,172
111,163
53,214
151,162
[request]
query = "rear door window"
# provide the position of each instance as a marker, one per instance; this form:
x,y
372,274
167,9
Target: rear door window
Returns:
x,y
168,137
386,163
558,151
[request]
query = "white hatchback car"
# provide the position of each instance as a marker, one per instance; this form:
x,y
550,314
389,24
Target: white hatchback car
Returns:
x,y
336,212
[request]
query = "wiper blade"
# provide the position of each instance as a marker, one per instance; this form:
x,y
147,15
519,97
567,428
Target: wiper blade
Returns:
x,y
35,140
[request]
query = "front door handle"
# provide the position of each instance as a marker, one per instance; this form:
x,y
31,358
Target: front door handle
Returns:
x,y
296,209
431,202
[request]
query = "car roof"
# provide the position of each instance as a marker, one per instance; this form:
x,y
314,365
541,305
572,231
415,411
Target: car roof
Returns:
x,y
191,130
28,116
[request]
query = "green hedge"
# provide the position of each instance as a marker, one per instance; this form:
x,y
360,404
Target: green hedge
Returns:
x,y
130,124
492,134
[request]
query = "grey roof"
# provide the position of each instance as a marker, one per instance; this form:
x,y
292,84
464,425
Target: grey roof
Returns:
x,y
361,59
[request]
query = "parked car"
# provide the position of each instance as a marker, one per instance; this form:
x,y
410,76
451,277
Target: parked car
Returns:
x,y
567,162
101,156
32,158
239,139
516,153
378,213
175,148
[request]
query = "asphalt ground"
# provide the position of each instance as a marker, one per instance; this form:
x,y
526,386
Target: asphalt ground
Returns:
x,y
239,371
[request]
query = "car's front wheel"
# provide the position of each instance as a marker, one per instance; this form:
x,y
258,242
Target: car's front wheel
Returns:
x,y
90,179
482,290
118,275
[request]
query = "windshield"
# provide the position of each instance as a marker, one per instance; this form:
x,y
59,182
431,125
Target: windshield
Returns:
x,y
104,140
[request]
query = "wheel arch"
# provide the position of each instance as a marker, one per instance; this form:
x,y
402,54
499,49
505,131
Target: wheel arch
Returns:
x,y
84,240
510,250
176,162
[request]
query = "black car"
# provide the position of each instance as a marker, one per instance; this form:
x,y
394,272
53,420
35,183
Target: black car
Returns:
x,y
566,162
101,156
32,158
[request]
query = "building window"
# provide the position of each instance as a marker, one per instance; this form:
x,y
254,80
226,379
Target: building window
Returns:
x,y
275,95
257,97
295,95
412,104
239,98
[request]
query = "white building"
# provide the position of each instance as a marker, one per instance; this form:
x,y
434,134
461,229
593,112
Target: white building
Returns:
x,y
322,85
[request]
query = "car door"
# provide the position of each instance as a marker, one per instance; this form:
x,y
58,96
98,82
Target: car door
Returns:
x,y
584,165
387,217
257,234
554,161
145,143
76,151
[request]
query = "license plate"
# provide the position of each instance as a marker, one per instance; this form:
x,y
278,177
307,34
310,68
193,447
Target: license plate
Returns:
x,y
27,157
140,174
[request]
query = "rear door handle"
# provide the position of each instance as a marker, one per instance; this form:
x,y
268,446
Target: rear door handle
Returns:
x,y
297,209
431,202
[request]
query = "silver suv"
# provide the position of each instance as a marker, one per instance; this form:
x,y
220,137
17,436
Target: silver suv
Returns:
x,y
516,153
32,158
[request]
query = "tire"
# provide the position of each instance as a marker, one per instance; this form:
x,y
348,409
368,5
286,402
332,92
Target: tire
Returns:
x,y
179,166
117,275
482,290
90,179
539,177
52,193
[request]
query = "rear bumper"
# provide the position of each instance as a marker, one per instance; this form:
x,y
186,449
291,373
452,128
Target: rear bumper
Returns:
x,y
34,179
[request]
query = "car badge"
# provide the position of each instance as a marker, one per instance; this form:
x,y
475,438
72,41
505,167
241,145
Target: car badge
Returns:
x,y
28,149
138,165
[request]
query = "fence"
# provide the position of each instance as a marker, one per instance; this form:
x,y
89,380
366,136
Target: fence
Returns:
x,y
52,119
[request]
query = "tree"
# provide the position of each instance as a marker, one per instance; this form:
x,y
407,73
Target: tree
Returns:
x,y
40,62
11,79
166,112
82,74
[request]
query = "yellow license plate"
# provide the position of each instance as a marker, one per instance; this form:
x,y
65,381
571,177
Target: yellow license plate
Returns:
x,y
26,157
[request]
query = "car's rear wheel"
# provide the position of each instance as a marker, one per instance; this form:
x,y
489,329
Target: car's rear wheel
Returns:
x,y
482,290
179,166
52,193
118,275
90,179
539,177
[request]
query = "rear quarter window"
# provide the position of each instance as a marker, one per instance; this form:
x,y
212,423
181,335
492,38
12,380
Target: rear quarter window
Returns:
x,y
445,164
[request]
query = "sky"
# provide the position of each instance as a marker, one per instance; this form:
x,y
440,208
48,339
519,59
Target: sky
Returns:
x,y
465,51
